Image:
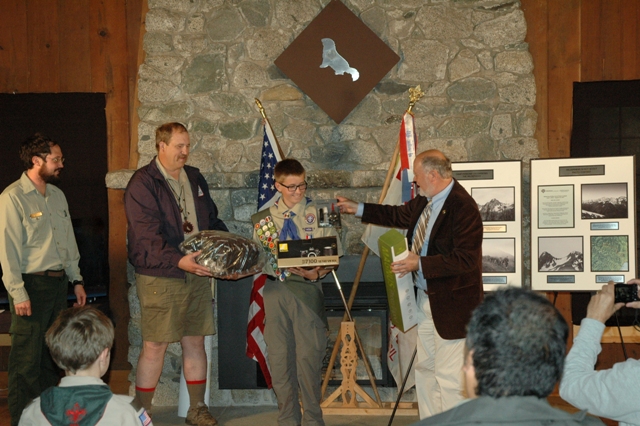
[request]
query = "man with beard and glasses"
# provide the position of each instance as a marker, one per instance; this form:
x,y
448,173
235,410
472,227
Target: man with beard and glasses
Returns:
x,y
39,257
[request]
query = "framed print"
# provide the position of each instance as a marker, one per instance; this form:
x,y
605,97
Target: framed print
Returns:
x,y
496,186
583,227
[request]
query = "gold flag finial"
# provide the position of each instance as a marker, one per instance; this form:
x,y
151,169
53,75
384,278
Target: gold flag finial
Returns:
x,y
415,93
261,108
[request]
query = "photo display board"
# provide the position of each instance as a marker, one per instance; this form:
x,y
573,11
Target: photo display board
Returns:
x,y
583,222
497,189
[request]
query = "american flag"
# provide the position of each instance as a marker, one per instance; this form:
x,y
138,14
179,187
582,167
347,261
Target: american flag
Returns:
x,y
267,195
267,192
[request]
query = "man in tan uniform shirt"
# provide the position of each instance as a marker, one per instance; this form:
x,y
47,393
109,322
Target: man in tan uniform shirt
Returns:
x,y
39,256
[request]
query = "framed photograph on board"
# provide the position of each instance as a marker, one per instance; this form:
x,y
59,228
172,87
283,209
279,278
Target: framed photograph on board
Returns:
x,y
560,254
604,201
499,255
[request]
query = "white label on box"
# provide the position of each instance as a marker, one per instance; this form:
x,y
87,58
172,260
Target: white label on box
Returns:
x,y
407,297
306,262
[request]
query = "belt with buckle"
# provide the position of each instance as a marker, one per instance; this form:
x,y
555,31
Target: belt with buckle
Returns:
x,y
49,273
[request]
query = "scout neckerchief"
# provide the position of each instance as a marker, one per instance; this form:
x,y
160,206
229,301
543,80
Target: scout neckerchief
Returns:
x,y
75,405
268,235
289,230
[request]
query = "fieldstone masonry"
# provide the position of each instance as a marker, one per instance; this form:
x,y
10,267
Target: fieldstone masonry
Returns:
x,y
206,61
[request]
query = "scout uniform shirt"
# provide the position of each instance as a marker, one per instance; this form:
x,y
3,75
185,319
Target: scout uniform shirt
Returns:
x,y
37,235
268,224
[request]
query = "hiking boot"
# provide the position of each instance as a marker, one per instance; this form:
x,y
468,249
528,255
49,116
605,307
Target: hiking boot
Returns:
x,y
200,416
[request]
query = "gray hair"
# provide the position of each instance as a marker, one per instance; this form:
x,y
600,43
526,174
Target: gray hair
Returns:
x,y
442,166
518,339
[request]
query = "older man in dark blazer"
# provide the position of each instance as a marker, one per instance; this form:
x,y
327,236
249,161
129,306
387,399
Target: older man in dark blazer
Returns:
x,y
445,233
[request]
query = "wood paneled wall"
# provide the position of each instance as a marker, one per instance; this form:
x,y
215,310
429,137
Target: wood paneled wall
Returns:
x,y
578,41
82,46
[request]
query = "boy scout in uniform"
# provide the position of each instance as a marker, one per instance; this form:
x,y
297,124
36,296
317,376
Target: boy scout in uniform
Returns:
x,y
295,321
80,341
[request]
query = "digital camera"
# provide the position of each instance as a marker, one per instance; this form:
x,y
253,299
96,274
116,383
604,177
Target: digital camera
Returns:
x,y
310,252
626,293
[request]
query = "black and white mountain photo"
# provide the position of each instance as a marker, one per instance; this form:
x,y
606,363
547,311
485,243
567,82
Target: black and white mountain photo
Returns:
x,y
498,255
604,201
495,204
560,254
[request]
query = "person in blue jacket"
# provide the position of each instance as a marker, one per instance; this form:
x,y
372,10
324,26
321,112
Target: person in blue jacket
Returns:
x,y
165,202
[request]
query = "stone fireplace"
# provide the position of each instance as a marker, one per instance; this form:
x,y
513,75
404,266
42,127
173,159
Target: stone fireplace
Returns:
x,y
206,61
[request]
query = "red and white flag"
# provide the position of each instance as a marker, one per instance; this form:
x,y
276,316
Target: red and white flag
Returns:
x,y
267,194
401,190
399,353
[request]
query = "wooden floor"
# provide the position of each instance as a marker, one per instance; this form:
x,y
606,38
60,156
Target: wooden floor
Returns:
x,y
118,380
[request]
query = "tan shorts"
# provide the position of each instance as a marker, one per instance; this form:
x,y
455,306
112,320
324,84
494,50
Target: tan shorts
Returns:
x,y
172,308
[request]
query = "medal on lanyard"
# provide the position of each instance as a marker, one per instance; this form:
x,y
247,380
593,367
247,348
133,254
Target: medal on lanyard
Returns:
x,y
187,227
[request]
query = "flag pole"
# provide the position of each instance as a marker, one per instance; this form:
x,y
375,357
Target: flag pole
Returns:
x,y
414,96
266,120
404,383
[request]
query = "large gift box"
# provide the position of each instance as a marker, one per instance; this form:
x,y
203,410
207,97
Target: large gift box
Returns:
x,y
402,300
308,253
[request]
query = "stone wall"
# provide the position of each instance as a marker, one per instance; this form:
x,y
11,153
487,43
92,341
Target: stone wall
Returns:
x,y
206,61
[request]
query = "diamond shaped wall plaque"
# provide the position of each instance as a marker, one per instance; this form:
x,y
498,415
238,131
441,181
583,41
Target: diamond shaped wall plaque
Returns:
x,y
337,60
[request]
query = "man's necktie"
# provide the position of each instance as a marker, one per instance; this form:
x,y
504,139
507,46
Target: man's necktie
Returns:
x,y
420,233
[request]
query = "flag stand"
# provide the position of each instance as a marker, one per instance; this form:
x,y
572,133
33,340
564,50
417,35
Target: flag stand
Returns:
x,y
385,408
349,363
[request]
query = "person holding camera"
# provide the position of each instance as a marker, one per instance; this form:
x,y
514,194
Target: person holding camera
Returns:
x,y
611,393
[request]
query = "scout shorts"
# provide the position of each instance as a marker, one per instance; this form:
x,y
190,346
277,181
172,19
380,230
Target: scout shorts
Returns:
x,y
172,308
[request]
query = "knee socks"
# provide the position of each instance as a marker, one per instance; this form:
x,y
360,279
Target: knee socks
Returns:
x,y
144,396
197,389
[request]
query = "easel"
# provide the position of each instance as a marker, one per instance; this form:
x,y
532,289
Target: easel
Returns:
x,y
349,403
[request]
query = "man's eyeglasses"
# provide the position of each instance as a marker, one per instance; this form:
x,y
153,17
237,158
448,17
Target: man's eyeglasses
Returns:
x,y
54,160
294,188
